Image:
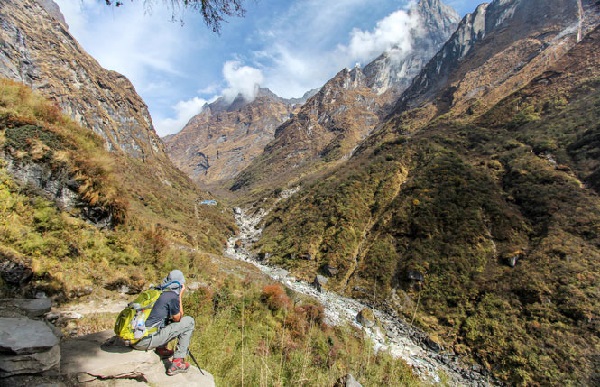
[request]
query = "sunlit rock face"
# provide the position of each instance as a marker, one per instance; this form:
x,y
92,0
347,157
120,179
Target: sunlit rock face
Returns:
x,y
37,49
331,124
227,135
501,45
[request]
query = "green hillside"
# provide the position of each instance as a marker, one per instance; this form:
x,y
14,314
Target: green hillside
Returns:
x,y
497,209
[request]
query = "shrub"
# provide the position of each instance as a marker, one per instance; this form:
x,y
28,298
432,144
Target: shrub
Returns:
x,y
275,298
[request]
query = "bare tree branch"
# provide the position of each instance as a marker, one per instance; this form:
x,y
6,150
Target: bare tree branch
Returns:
x,y
214,12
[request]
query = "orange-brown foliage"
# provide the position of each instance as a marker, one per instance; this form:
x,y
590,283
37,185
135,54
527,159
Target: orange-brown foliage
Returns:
x,y
275,298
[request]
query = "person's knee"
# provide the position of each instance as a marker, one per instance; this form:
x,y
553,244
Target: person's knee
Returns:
x,y
188,321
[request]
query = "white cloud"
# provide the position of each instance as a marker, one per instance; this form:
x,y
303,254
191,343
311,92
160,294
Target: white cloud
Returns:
x,y
210,89
184,110
293,72
296,59
240,79
127,39
395,32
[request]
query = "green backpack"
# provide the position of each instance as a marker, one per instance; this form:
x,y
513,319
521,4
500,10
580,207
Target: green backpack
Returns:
x,y
131,322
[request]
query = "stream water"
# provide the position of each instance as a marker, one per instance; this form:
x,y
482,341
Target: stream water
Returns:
x,y
395,336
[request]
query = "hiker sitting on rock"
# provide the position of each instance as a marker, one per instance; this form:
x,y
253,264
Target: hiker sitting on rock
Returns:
x,y
167,315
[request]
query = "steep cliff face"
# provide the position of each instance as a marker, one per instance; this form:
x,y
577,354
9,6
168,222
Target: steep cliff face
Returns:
x,y
347,109
37,50
392,74
226,136
136,177
501,46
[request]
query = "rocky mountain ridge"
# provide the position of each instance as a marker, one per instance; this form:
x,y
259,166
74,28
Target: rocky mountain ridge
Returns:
x,y
349,106
44,56
493,48
227,135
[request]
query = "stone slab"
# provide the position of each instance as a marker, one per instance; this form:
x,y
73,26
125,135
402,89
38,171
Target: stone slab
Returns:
x,y
99,360
47,362
36,307
21,336
24,307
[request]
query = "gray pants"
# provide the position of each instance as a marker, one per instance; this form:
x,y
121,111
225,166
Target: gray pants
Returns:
x,y
181,330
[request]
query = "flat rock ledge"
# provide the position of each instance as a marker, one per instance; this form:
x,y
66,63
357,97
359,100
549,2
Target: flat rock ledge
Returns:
x,y
100,360
32,308
33,354
27,346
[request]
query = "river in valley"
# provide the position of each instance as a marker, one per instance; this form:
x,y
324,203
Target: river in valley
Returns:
x,y
393,334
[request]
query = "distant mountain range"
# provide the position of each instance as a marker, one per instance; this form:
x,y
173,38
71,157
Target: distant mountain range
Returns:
x,y
227,136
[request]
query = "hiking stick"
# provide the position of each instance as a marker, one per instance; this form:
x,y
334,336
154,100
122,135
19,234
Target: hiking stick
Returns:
x,y
194,359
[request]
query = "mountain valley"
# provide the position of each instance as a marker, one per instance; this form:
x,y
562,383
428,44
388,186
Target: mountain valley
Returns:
x,y
454,186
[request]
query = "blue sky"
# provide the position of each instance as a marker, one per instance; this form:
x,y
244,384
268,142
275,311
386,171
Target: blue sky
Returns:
x,y
289,46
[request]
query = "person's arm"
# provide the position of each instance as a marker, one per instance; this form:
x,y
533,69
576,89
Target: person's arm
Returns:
x,y
178,316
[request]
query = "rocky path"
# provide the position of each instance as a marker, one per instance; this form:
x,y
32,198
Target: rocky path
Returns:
x,y
396,336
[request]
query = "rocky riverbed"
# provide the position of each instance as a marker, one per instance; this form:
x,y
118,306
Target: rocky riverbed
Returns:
x,y
392,333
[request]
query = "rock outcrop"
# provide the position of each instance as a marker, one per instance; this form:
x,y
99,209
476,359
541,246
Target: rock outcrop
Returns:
x,y
37,50
28,345
392,72
99,360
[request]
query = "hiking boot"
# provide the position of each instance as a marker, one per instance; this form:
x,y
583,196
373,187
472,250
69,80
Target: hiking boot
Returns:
x,y
163,352
178,366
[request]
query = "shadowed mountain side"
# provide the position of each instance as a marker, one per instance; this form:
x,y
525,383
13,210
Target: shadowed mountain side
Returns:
x,y
496,212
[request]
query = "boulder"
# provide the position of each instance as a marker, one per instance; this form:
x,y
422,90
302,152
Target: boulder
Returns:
x,y
433,345
366,318
319,281
25,307
264,256
100,359
347,381
27,346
